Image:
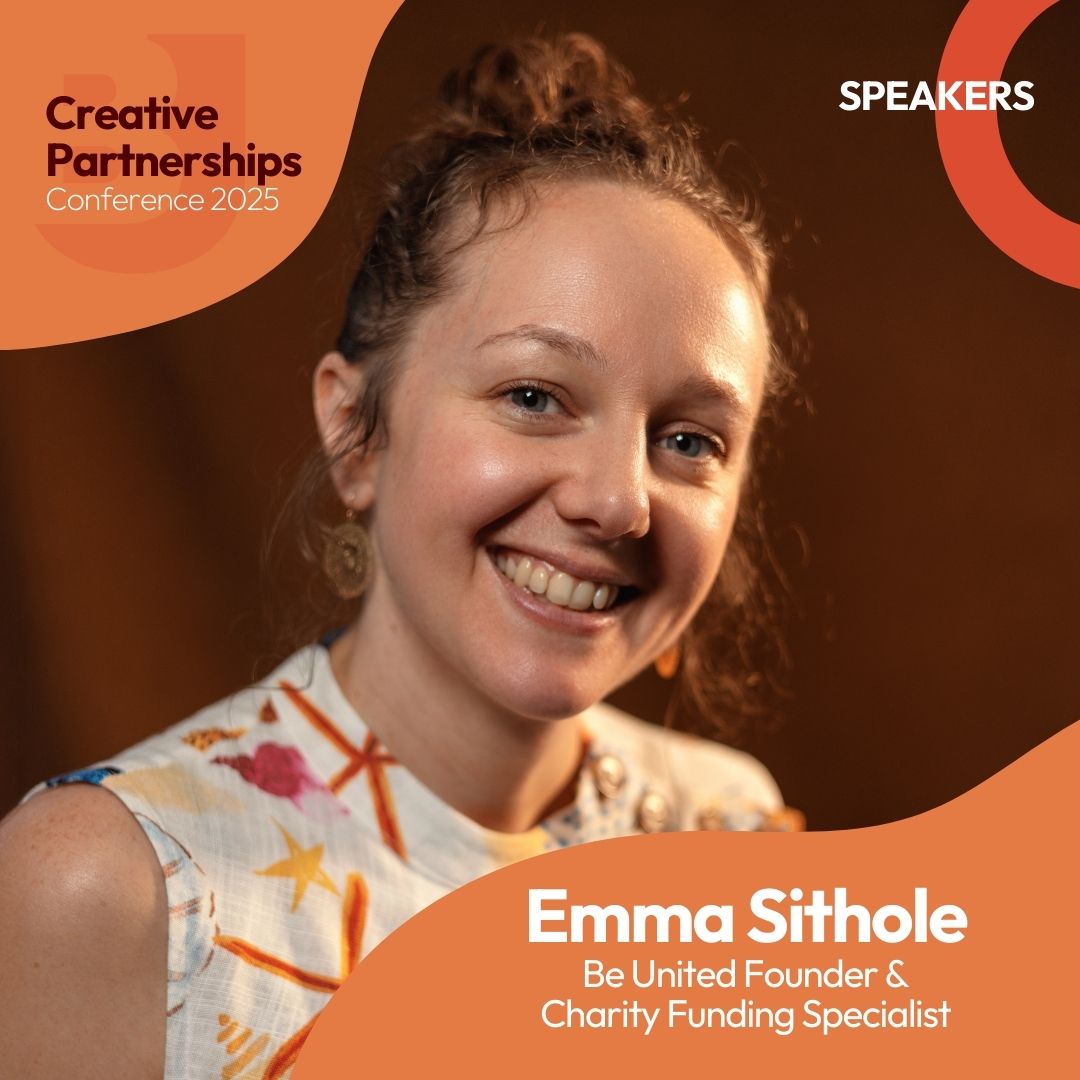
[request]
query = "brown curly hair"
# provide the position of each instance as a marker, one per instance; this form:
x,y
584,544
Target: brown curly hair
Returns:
x,y
521,115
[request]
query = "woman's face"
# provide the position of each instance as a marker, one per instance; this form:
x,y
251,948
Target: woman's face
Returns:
x,y
567,437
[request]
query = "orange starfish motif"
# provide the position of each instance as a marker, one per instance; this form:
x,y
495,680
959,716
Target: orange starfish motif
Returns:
x,y
371,756
353,919
303,866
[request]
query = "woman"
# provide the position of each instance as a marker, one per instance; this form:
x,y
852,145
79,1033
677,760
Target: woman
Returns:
x,y
538,423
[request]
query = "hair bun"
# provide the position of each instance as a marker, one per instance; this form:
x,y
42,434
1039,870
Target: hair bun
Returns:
x,y
515,87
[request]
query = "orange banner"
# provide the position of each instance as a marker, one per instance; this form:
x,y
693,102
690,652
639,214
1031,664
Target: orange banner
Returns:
x,y
930,946
156,163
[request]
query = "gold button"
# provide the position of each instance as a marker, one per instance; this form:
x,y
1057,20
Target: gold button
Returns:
x,y
710,818
654,813
610,775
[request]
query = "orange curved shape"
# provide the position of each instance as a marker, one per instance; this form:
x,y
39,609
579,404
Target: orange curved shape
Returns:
x,y
975,160
459,989
282,83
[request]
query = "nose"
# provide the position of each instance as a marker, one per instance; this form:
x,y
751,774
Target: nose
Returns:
x,y
605,487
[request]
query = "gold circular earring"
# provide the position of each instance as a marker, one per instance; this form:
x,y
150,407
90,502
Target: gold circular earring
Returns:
x,y
667,663
348,557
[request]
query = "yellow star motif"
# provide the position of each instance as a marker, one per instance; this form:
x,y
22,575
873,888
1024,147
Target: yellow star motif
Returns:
x,y
304,867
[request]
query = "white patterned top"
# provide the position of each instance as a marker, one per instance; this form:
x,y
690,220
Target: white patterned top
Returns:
x,y
292,843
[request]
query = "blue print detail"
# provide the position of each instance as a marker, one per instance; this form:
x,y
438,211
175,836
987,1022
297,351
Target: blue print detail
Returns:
x,y
84,776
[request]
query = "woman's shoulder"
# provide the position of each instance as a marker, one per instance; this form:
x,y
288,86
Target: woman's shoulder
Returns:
x,y
83,913
75,844
714,786
253,823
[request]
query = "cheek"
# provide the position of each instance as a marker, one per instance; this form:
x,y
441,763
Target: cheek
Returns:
x,y
454,477
694,536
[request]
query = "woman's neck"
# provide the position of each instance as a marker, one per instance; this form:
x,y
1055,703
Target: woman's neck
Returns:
x,y
503,771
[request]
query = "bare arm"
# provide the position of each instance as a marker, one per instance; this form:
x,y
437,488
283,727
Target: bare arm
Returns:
x,y
83,941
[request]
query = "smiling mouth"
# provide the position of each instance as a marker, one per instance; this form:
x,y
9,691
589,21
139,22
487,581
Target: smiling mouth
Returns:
x,y
558,587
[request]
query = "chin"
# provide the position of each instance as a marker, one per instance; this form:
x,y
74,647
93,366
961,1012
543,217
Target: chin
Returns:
x,y
547,699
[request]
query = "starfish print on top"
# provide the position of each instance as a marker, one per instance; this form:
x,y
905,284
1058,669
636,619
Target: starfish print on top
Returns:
x,y
353,918
303,866
372,756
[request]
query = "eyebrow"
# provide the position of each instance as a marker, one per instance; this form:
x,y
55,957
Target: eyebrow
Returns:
x,y
577,348
705,386
570,345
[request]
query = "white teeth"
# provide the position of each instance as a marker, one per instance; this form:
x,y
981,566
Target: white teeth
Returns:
x,y
557,587
538,581
560,589
582,599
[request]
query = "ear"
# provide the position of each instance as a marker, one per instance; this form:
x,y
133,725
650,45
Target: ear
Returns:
x,y
335,388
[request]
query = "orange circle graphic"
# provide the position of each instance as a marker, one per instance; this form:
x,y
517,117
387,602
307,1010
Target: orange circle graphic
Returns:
x,y
975,161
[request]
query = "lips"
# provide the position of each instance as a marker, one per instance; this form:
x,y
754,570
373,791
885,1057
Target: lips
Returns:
x,y
555,585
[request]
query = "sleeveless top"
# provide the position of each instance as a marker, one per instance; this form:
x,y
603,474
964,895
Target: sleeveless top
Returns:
x,y
291,843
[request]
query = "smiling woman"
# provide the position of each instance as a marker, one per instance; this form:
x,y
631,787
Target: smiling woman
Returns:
x,y
538,424
582,402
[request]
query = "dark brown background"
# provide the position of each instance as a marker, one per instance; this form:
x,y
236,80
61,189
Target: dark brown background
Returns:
x,y
935,476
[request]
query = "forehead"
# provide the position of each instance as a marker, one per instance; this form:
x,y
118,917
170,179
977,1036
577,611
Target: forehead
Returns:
x,y
641,277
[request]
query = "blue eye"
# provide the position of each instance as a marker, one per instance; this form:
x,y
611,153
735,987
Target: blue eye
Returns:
x,y
687,444
530,399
